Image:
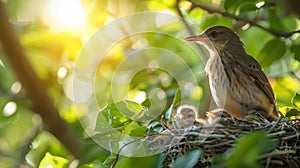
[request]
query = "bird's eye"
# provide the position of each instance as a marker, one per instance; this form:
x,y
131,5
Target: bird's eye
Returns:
x,y
214,34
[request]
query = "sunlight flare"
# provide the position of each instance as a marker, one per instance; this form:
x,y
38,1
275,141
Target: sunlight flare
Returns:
x,y
65,14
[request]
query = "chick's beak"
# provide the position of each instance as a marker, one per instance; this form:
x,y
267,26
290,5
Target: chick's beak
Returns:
x,y
200,38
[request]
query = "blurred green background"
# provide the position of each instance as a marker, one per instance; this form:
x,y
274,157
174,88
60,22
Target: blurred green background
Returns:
x,y
53,33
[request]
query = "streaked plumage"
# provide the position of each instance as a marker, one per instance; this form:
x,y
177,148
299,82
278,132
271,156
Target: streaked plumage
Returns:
x,y
237,81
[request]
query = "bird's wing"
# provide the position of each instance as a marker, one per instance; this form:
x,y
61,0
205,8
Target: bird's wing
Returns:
x,y
260,78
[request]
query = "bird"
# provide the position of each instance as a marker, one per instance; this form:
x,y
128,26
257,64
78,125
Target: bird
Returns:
x,y
186,117
237,82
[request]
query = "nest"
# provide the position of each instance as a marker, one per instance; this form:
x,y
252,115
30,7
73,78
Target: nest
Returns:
x,y
221,136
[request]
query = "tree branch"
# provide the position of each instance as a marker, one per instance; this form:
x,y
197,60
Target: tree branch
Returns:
x,y
120,150
246,20
187,26
207,100
34,87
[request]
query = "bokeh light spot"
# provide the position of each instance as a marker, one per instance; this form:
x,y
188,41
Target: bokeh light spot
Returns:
x,y
9,109
16,87
140,97
62,72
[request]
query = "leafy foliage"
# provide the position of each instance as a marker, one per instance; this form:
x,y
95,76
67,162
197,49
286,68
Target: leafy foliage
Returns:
x,y
135,162
246,152
188,160
53,50
272,51
55,161
296,100
123,115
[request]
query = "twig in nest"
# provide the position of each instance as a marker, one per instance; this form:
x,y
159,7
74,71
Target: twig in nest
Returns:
x,y
221,139
276,153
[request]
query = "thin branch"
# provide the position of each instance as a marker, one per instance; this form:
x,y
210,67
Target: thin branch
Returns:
x,y
275,125
126,144
246,20
276,153
189,29
207,100
187,26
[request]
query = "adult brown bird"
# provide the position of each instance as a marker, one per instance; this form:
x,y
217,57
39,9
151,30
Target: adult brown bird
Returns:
x,y
237,82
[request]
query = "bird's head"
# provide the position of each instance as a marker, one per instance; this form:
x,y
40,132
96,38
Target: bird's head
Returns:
x,y
218,38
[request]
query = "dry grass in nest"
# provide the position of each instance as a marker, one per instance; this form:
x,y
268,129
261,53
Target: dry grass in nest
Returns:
x,y
223,136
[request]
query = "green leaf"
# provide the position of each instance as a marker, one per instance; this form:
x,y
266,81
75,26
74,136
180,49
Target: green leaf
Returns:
x,y
130,109
134,129
139,131
158,129
53,161
275,21
121,117
197,13
211,20
290,23
188,160
285,88
168,113
7,77
230,4
293,113
296,100
137,162
109,160
120,113
246,7
285,110
177,97
272,51
46,143
133,125
93,165
218,161
296,50
155,126
248,149
176,100
112,116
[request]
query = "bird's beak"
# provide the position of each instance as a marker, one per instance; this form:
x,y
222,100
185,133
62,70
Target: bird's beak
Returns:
x,y
201,38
